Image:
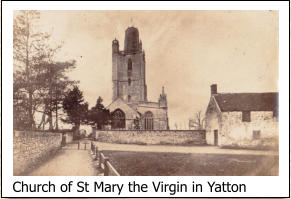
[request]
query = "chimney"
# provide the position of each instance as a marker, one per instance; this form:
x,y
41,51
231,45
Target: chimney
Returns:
x,y
213,89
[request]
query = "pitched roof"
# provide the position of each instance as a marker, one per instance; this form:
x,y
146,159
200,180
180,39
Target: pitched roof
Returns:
x,y
247,101
119,103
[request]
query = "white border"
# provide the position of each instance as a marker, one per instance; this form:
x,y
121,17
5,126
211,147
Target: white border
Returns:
x,y
277,186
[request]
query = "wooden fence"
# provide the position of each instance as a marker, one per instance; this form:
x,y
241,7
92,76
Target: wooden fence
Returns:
x,y
104,163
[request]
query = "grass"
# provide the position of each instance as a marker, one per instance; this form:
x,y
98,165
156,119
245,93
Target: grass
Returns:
x,y
179,164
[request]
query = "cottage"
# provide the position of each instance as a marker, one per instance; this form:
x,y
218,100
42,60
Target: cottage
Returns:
x,y
242,119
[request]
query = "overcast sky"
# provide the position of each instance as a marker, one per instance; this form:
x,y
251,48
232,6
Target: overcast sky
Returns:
x,y
186,51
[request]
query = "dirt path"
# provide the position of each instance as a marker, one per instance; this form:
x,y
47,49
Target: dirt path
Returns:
x,y
179,149
69,161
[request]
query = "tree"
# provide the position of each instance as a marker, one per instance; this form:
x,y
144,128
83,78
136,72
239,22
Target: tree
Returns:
x,y
98,115
55,84
75,108
40,82
197,122
25,40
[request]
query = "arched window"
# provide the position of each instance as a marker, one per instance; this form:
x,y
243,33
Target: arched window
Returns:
x,y
118,119
129,67
148,121
129,81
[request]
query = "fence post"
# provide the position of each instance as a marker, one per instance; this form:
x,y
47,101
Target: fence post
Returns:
x,y
106,168
78,145
100,158
96,153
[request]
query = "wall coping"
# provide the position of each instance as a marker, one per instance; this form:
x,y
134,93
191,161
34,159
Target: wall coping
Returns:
x,y
28,131
17,133
202,130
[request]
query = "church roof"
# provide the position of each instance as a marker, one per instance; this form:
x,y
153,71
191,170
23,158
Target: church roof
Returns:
x,y
120,104
247,101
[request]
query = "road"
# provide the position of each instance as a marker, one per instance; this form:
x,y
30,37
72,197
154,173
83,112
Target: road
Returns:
x,y
69,161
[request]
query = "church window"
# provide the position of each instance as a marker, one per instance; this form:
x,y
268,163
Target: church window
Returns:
x,y
149,121
118,119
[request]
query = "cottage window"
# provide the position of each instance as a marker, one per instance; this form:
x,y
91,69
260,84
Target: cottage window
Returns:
x,y
246,116
256,135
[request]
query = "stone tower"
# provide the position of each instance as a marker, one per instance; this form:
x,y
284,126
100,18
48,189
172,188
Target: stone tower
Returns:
x,y
128,69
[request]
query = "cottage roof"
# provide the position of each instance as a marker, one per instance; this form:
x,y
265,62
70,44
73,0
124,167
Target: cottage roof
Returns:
x,y
247,101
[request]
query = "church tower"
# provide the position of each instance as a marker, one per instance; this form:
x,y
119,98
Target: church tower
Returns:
x,y
128,69
130,107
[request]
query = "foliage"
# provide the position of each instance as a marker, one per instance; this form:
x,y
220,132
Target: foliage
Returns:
x,y
25,54
54,86
75,107
98,115
39,82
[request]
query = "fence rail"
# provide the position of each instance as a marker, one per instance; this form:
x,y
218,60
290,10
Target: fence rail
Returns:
x,y
104,163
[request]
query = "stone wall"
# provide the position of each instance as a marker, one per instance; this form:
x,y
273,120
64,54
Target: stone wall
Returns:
x,y
235,132
30,148
154,137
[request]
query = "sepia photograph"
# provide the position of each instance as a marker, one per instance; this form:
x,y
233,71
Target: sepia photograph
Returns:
x,y
145,93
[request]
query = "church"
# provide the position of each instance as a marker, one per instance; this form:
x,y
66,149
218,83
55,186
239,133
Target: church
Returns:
x,y
130,107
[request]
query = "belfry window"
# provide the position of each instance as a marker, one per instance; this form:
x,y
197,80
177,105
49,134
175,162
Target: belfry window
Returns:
x,y
129,81
129,67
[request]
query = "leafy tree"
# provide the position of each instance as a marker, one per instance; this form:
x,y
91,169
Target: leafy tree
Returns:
x,y
55,84
75,108
98,115
25,40
40,82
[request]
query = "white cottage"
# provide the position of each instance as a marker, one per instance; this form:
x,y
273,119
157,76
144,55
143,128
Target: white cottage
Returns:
x,y
242,119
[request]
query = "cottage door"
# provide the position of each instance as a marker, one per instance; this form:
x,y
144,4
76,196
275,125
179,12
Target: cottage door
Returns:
x,y
215,137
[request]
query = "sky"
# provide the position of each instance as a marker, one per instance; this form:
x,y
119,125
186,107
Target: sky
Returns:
x,y
185,51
